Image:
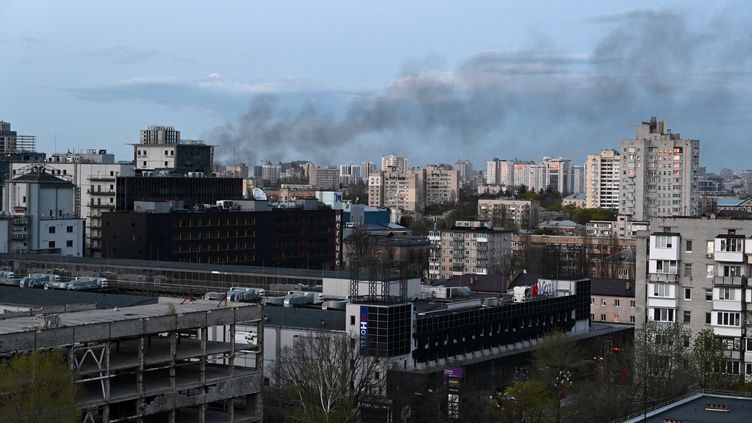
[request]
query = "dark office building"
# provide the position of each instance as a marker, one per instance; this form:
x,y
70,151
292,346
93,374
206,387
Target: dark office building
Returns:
x,y
289,237
194,157
191,191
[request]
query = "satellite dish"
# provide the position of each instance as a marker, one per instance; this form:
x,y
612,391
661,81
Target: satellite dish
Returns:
x,y
258,194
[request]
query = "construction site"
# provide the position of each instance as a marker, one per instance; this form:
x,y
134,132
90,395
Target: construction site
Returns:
x,y
164,362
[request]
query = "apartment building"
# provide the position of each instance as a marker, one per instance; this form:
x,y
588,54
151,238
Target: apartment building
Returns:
x,y
471,247
396,190
395,162
323,178
695,272
658,173
500,172
602,178
559,174
612,301
509,212
160,148
441,185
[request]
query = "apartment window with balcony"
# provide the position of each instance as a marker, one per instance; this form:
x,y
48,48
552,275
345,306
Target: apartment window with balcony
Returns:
x,y
725,294
661,290
666,266
688,294
731,270
663,315
727,319
663,241
732,245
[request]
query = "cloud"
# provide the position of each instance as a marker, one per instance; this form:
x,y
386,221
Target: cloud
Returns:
x,y
123,54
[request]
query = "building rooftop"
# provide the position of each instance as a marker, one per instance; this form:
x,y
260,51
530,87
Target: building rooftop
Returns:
x,y
11,295
304,318
612,287
693,410
479,283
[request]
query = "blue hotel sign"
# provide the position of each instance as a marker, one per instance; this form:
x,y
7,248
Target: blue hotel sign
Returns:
x,y
363,330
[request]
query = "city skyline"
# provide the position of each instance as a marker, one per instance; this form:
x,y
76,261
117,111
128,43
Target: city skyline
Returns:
x,y
559,82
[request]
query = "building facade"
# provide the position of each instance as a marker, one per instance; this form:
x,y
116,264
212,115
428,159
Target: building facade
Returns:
x,y
395,162
397,190
469,248
441,185
191,191
602,179
508,212
659,173
695,272
161,149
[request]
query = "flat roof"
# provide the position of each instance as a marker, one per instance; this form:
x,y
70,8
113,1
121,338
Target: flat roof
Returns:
x,y
692,410
78,318
30,297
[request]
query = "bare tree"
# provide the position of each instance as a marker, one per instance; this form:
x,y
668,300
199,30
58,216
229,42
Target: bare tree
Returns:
x,y
327,379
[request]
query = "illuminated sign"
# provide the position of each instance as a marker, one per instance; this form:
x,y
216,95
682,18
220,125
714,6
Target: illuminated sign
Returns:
x,y
363,330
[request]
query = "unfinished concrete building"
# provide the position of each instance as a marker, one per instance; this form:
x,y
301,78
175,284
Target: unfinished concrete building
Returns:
x,y
159,362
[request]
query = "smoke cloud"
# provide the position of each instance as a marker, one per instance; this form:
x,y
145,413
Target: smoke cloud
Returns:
x,y
523,103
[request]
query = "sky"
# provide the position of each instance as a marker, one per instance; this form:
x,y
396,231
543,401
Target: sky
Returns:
x,y
346,82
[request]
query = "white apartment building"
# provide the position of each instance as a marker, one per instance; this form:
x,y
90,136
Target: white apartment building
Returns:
x,y
695,272
95,192
602,178
471,247
43,213
559,174
659,173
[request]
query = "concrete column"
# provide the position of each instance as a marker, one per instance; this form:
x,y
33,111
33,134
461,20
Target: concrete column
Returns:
x,y
106,410
173,352
140,376
231,367
202,372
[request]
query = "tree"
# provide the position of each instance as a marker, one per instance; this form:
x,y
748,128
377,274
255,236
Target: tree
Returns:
x,y
528,401
708,362
326,378
38,387
661,360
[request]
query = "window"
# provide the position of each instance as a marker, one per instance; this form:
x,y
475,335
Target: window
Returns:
x,y
661,290
616,303
632,303
732,244
69,243
710,248
165,163
592,300
727,319
592,317
707,318
688,246
144,163
52,244
686,341
69,229
663,241
352,320
709,271
603,302
688,270
51,229
730,271
666,266
687,317
663,314
688,294
631,319
603,317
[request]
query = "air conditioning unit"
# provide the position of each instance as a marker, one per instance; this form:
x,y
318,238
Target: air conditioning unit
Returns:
x,y
708,255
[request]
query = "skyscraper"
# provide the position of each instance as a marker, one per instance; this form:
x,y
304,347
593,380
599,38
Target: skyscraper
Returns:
x,y
395,162
659,173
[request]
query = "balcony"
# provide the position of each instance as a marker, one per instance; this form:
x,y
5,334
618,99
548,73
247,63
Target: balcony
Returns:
x,y
663,277
102,206
729,331
729,280
20,236
727,305
729,256
100,192
662,302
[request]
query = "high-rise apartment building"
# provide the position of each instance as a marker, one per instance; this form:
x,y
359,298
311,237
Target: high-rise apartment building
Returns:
x,y
506,212
393,161
11,142
658,173
465,169
602,178
441,185
695,272
159,135
578,179
500,172
469,248
324,178
397,190
558,174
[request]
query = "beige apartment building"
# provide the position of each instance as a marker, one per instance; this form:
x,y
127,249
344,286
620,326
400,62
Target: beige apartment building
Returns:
x,y
442,185
612,301
471,247
397,190
509,212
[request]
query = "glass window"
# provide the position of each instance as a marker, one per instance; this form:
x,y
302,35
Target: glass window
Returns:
x,y
688,294
688,246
